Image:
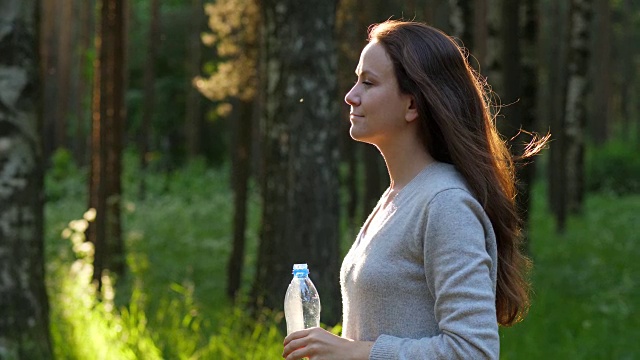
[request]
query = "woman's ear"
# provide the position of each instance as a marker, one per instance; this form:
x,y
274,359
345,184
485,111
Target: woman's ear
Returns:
x,y
412,110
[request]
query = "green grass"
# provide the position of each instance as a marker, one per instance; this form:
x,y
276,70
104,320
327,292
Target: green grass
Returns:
x,y
586,283
171,304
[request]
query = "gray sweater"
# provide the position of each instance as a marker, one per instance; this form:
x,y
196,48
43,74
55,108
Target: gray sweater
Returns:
x,y
422,285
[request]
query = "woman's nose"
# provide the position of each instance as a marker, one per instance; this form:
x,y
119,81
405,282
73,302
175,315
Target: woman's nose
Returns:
x,y
351,97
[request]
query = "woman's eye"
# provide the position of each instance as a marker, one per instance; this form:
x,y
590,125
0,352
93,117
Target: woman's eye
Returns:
x,y
364,82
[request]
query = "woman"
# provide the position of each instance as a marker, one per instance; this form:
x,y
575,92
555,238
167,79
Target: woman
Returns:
x,y
436,266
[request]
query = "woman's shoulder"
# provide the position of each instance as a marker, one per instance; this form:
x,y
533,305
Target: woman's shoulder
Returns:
x,y
440,177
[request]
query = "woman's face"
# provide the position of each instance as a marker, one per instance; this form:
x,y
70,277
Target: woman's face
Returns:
x,y
379,112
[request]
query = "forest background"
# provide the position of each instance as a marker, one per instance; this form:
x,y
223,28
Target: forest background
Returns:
x,y
164,163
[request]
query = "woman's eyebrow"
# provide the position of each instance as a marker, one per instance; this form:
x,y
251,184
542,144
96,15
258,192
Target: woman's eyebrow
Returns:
x,y
365,73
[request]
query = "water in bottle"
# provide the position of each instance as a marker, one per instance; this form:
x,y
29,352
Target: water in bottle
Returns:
x,y
301,303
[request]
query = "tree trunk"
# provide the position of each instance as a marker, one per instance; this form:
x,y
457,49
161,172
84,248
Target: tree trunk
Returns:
x,y
629,69
518,29
480,32
461,20
631,92
575,108
493,66
63,82
24,307
242,151
115,135
49,54
511,85
300,194
513,97
429,11
557,63
601,72
153,38
108,120
193,112
82,101
525,171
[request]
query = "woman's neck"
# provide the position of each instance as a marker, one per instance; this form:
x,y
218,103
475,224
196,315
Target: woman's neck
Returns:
x,y
404,161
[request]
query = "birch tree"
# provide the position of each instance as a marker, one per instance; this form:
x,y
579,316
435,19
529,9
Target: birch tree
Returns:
x,y
24,312
575,107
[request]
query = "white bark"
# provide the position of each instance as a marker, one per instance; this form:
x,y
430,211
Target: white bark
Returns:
x,y
575,109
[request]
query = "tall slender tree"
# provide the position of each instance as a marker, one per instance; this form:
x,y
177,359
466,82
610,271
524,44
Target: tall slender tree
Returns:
x,y
153,39
492,63
82,100
115,112
108,119
627,59
480,31
519,31
511,87
556,62
511,84
48,46
193,111
461,20
599,112
300,186
65,56
575,107
24,312
234,32
529,70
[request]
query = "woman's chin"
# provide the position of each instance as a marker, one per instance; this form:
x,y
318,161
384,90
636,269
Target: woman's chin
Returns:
x,y
355,133
359,136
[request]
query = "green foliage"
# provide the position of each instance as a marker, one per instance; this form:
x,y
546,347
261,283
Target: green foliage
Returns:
x,y
171,304
64,178
172,81
587,291
85,322
613,168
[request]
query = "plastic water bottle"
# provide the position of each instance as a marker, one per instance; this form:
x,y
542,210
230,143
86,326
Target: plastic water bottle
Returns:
x,y
301,303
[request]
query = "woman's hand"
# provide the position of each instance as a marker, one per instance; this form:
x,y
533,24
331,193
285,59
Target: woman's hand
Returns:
x,y
319,344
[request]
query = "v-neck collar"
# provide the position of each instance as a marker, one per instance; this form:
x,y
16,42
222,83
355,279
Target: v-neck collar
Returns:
x,y
393,204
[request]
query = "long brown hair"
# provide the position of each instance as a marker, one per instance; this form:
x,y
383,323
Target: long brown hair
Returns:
x,y
457,127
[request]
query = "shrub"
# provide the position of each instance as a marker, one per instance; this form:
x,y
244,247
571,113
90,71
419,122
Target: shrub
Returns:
x,y
613,168
64,178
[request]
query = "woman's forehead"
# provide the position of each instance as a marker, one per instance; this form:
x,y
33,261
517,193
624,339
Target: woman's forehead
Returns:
x,y
375,60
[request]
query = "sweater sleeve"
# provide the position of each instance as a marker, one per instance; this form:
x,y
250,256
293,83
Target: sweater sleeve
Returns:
x,y
458,272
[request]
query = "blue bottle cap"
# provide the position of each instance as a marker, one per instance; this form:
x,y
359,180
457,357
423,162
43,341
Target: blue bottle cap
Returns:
x,y
300,270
